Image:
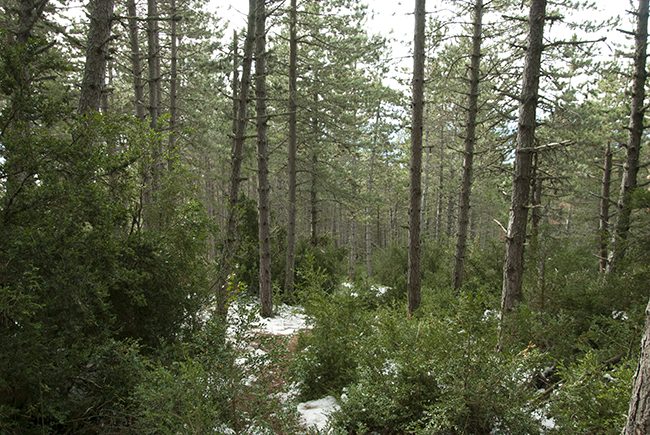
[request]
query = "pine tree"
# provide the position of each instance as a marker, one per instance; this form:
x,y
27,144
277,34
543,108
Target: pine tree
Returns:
x,y
513,268
415,188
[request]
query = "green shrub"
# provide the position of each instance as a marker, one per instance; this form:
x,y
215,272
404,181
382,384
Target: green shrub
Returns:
x,y
325,257
390,266
591,398
438,374
219,384
327,361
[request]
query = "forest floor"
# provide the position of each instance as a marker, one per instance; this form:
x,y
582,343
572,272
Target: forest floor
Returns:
x,y
286,325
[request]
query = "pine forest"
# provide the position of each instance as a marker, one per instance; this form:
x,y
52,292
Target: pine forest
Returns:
x,y
460,219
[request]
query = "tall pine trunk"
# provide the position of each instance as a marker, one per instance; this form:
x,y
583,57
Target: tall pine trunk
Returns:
x,y
153,61
368,223
99,32
173,84
136,65
240,104
425,219
415,189
292,150
638,415
441,183
352,247
264,212
470,140
635,133
313,190
603,227
513,268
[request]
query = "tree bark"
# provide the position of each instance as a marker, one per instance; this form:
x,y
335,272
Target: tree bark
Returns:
x,y
415,189
173,85
451,197
424,216
289,273
266,291
313,191
240,104
470,140
352,257
29,13
135,60
368,226
603,227
536,217
441,183
313,199
638,415
513,268
153,61
635,133
99,32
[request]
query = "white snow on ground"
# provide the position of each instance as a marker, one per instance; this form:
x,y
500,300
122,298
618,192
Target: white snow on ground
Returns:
x,y
316,412
287,321
379,290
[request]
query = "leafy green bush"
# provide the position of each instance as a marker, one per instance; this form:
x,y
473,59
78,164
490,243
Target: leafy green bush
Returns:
x,y
390,266
439,373
591,398
326,360
81,278
246,259
325,257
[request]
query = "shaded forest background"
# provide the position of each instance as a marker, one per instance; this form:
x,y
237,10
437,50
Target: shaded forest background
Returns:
x,y
149,163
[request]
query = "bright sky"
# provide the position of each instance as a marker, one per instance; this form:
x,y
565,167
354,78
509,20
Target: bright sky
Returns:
x,y
395,18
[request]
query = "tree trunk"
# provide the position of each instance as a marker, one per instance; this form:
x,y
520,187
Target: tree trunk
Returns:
x,y
638,415
313,191
415,189
424,217
289,273
240,104
352,258
173,84
603,227
513,268
450,198
29,13
635,133
470,140
313,198
210,205
368,235
154,174
536,253
135,60
99,32
266,291
441,181
153,60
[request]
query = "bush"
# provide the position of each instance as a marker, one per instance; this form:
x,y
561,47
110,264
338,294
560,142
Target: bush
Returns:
x,y
592,398
324,256
439,374
390,266
81,279
326,360
246,259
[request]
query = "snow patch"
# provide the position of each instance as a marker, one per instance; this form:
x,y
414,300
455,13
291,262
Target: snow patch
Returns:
x,y
287,321
315,413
